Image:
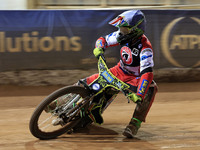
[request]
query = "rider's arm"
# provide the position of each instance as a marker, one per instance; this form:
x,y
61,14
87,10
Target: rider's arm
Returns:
x,y
107,41
146,70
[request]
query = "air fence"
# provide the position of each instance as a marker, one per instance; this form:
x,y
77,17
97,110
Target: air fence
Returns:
x,y
48,46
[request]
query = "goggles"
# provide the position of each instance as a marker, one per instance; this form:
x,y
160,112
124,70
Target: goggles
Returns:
x,y
125,30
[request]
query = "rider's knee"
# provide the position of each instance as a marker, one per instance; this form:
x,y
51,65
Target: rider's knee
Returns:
x,y
154,86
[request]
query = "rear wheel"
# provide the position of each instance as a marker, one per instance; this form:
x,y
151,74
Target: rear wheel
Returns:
x,y
48,125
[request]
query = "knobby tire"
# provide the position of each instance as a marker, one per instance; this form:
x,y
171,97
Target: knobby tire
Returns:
x,y
33,124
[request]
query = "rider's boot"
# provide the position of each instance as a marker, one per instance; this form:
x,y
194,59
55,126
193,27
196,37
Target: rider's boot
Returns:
x,y
58,102
140,113
132,128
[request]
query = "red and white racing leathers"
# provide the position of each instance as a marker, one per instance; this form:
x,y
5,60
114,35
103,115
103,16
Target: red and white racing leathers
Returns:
x,y
135,65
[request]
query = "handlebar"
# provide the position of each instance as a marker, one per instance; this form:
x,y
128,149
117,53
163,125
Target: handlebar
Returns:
x,y
125,92
103,57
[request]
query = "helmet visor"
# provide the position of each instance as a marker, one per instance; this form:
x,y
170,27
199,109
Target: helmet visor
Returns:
x,y
118,22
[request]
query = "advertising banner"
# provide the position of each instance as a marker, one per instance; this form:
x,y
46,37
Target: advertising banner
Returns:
x,y
64,39
175,36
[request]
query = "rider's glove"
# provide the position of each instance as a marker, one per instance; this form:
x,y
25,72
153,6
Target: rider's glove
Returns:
x,y
135,98
98,51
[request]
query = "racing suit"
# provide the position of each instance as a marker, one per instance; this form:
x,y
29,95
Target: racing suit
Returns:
x,y
134,68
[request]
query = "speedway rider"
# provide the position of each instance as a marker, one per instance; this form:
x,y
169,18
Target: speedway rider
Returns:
x,y
135,65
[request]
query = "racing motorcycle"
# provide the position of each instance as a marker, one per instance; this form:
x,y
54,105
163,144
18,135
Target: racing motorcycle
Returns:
x,y
76,106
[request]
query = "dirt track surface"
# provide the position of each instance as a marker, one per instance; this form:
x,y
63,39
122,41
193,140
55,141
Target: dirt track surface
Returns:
x,y
173,122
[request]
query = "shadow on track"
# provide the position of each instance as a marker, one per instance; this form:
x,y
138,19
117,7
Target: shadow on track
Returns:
x,y
94,137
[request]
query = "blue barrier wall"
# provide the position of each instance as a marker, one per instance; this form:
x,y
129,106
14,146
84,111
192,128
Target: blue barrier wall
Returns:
x,y
64,39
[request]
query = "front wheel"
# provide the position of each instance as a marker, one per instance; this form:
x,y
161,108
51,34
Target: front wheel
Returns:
x,y
45,124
